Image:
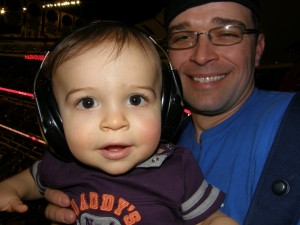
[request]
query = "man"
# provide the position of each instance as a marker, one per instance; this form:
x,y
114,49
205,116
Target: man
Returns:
x,y
215,46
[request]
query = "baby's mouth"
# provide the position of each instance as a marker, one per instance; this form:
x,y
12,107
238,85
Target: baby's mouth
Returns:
x,y
115,148
116,152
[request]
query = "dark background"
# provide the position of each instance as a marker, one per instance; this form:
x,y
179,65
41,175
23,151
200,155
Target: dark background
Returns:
x,y
280,19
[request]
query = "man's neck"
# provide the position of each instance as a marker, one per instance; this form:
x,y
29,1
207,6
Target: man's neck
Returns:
x,y
203,122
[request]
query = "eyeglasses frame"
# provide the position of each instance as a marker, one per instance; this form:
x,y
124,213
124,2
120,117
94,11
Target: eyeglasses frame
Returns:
x,y
196,34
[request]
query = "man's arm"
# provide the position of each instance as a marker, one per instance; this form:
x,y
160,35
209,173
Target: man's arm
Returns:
x,y
218,218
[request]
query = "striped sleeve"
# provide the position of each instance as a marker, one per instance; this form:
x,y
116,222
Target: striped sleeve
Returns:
x,y
34,172
201,198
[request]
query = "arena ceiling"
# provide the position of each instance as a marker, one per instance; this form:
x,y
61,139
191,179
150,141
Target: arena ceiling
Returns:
x,y
280,20
127,11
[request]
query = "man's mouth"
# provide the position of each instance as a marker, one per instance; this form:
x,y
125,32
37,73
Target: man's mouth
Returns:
x,y
208,79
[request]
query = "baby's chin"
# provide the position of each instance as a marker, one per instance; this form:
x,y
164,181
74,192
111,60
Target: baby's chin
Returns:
x,y
116,170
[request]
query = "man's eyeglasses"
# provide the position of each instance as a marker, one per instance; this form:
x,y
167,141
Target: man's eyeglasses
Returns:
x,y
220,36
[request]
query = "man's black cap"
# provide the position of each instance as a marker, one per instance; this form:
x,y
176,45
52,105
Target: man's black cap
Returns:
x,y
175,7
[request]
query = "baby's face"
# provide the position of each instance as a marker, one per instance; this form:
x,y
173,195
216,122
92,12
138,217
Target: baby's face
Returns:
x,y
110,107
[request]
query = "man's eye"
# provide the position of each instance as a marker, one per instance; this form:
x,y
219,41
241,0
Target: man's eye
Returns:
x,y
87,103
136,100
181,38
228,35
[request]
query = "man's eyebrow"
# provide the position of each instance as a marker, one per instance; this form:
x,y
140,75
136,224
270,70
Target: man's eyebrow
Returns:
x,y
181,26
226,21
219,21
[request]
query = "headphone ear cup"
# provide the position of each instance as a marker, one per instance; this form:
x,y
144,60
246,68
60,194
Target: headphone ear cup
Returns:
x,y
49,119
171,103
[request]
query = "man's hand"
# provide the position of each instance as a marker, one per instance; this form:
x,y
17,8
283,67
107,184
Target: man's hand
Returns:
x,y
57,210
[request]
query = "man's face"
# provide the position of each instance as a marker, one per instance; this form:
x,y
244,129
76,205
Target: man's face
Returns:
x,y
216,79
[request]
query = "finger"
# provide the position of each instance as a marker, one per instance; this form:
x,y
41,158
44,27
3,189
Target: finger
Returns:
x,y
15,205
57,211
19,206
57,197
60,215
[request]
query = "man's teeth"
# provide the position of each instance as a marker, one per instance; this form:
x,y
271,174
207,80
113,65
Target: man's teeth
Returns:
x,y
208,79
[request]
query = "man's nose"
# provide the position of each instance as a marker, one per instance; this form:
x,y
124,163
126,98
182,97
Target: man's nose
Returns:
x,y
203,52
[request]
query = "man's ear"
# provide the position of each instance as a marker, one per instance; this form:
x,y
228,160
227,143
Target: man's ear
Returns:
x,y
260,46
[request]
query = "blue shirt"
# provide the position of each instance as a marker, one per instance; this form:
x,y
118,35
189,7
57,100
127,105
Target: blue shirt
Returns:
x,y
233,153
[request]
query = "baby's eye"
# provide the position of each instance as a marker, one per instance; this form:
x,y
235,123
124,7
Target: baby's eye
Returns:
x,y
136,100
87,103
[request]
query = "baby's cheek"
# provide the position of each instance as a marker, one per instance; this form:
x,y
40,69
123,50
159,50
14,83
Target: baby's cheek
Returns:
x,y
152,130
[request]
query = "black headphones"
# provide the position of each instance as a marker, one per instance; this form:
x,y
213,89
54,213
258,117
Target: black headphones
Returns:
x,y
50,121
